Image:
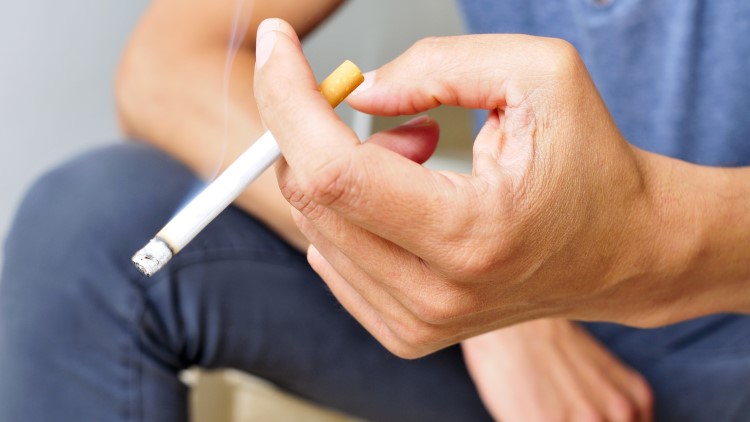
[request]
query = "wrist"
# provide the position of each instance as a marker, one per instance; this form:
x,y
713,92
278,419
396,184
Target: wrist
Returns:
x,y
686,249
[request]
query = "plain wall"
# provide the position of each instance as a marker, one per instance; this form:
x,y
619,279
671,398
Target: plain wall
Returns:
x,y
58,59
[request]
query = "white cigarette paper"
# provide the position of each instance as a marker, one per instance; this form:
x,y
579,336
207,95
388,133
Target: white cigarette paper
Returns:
x,y
231,183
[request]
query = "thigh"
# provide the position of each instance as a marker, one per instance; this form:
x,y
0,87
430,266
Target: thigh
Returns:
x,y
83,336
70,302
699,369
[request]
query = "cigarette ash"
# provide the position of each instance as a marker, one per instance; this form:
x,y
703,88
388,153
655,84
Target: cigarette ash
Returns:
x,y
152,257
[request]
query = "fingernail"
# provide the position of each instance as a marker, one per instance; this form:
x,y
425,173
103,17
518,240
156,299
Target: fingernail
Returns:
x,y
368,82
264,41
418,121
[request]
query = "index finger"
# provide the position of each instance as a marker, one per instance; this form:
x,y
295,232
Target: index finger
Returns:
x,y
368,185
487,71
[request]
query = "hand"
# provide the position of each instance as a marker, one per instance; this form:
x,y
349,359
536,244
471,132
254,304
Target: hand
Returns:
x,y
555,220
551,369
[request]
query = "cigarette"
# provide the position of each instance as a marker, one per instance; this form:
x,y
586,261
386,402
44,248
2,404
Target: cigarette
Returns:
x,y
197,214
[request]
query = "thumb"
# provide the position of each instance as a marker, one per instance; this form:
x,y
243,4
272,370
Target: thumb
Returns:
x,y
326,165
302,121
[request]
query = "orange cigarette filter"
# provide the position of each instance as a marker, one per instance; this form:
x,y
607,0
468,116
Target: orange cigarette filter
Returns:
x,y
341,82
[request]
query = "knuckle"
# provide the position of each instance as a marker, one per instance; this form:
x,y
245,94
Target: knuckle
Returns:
x,y
330,182
478,265
396,343
443,303
469,251
468,263
302,203
426,56
291,192
415,334
563,59
434,311
434,59
459,229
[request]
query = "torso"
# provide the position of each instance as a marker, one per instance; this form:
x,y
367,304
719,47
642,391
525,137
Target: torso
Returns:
x,y
674,74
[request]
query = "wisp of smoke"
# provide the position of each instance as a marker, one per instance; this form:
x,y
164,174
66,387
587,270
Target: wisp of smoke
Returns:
x,y
237,34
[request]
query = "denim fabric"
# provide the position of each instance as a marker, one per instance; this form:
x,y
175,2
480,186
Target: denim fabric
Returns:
x,y
84,337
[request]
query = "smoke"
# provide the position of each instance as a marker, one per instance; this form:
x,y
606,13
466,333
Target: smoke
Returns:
x,y
237,35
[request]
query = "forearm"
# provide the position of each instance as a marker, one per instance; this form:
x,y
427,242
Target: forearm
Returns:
x,y
188,123
697,242
170,92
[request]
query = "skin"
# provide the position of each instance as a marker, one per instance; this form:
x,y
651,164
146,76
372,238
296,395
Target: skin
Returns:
x,y
559,372
554,183
446,257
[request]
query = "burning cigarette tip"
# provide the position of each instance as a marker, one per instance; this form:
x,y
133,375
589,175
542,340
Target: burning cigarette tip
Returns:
x,y
152,257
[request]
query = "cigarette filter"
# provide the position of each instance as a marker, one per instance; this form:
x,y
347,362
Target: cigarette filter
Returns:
x,y
227,187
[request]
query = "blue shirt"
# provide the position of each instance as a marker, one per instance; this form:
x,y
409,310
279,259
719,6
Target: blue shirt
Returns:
x,y
675,74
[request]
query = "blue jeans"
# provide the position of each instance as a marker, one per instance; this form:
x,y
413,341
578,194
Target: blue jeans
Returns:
x,y
84,337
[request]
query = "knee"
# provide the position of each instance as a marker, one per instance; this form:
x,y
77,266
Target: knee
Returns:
x,y
106,201
66,260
